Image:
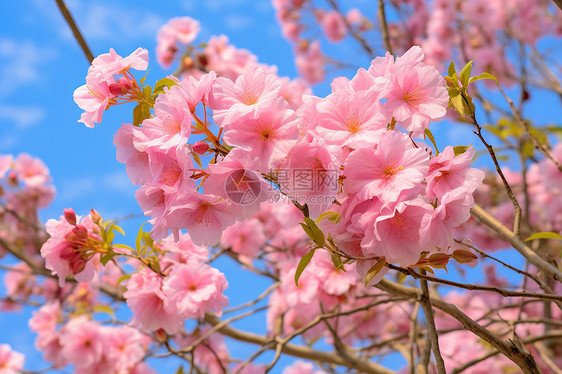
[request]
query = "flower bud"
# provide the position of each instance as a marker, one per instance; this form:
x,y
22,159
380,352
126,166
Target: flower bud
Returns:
x,y
70,216
463,256
200,147
96,218
12,179
438,259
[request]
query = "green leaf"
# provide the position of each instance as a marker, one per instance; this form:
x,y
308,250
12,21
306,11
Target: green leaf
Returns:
x,y
544,235
450,82
197,159
164,82
180,370
374,270
140,113
303,263
457,101
123,278
104,309
429,134
465,74
460,149
147,92
314,232
144,78
107,257
330,216
139,237
117,228
122,246
451,69
336,260
483,76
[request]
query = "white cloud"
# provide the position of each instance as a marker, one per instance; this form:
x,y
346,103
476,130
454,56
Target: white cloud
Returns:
x,y
216,5
21,117
21,61
110,21
236,22
7,142
119,182
73,189
99,21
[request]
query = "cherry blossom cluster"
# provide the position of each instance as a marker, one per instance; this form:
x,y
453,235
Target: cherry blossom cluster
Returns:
x,y
294,17
108,83
216,55
475,30
24,189
388,190
189,288
88,345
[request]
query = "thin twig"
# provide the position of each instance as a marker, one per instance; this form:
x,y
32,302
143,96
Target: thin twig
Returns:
x,y
75,30
354,34
384,27
516,242
523,359
425,301
478,132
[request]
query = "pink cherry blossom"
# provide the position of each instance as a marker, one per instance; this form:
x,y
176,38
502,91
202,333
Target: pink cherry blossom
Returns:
x,y
350,118
447,172
267,137
11,362
205,217
233,100
146,300
394,166
192,289
396,234
72,249
417,96
82,342
310,63
333,26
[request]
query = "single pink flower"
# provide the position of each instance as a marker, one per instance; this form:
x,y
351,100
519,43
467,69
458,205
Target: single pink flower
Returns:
x,y
268,136
204,216
82,343
394,166
333,26
192,289
11,362
417,96
146,300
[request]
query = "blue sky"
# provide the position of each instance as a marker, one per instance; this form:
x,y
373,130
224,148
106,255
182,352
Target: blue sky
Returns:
x,y
41,65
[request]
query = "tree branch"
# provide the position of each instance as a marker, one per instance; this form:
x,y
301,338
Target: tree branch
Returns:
x,y
300,351
523,359
75,30
516,242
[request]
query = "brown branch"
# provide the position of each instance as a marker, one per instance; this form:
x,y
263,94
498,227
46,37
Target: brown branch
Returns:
x,y
75,30
473,287
531,340
425,301
558,3
354,34
478,132
300,351
513,352
384,27
516,242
